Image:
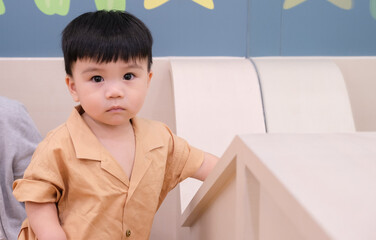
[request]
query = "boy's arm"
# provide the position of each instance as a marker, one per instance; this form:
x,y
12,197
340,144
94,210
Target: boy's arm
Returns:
x,y
206,167
44,221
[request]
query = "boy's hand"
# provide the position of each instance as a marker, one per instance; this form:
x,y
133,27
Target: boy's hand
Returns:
x,y
207,166
44,221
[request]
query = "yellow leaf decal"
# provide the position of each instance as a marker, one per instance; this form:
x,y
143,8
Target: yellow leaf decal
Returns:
x,y
205,3
150,4
344,4
292,3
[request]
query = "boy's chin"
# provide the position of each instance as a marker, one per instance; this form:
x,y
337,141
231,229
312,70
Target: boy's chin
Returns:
x,y
118,122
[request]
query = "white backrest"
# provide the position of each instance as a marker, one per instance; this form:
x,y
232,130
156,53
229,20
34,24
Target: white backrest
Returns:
x,y
39,83
304,95
215,99
360,77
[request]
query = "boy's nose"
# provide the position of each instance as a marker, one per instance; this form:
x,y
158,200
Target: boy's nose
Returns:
x,y
114,90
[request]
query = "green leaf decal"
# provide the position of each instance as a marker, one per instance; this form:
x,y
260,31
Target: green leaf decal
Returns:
x,y
372,8
110,4
51,7
2,7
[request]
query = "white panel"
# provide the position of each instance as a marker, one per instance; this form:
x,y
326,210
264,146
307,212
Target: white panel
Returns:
x,y
304,95
215,99
360,76
216,221
331,176
39,83
159,102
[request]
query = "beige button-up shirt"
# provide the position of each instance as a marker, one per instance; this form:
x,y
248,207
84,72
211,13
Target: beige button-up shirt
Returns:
x,y
95,198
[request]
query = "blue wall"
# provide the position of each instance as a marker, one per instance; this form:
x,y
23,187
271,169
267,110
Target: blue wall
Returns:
x,y
231,28
315,27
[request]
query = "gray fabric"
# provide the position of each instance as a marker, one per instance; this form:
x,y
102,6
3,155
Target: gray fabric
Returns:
x,y
18,140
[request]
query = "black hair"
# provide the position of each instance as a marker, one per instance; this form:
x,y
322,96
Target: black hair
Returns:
x,y
106,36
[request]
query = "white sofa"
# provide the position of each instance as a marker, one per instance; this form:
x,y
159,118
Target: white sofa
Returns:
x,y
209,100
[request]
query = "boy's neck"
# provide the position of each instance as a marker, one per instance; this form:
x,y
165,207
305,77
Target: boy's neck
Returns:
x,y
119,141
105,131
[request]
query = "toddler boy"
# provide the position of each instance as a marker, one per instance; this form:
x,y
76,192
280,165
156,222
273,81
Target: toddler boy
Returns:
x,y
104,173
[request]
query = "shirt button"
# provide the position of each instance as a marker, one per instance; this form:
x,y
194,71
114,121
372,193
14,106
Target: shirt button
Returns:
x,y
128,233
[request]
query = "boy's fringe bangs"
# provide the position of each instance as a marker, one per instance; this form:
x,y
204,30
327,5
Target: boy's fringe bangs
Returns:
x,y
109,50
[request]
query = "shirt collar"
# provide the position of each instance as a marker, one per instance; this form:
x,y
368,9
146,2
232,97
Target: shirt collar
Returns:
x,y
87,145
84,141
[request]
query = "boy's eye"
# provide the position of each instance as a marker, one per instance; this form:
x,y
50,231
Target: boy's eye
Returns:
x,y
128,76
97,79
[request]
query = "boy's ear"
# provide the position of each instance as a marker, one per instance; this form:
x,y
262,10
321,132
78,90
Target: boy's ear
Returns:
x,y
150,77
72,88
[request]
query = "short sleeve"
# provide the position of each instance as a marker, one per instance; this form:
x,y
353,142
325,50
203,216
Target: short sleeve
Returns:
x,y
42,181
190,158
184,160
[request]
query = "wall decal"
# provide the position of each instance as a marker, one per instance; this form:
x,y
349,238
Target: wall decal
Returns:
x,y
292,3
205,3
372,8
150,4
61,7
51,7
110,4
2,7
344,4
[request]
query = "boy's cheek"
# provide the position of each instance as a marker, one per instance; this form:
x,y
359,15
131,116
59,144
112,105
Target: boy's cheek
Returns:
x,y
74,95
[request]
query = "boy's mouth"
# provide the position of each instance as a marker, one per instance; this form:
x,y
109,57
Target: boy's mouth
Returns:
x,y
115,109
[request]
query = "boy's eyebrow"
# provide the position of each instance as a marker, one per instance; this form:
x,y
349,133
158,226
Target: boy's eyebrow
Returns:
x,y
94,69
134,65
90,69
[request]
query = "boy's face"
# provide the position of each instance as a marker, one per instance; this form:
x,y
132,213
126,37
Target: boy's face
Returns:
x,y
110,93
